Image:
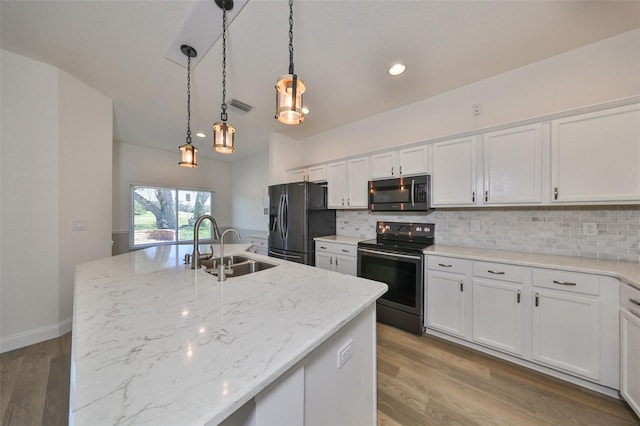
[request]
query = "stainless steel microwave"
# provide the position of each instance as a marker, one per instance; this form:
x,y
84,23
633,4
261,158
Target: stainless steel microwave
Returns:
x,y
411,193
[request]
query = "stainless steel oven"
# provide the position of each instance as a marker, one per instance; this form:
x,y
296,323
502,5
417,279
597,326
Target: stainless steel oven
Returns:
x,y
395,257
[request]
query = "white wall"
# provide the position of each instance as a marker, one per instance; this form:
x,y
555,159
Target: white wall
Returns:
x,y
249,182
84,180
133,164
56,166
600,72
284,153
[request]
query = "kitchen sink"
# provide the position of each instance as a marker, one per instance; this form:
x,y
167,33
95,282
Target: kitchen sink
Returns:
x,y
213,262
239,266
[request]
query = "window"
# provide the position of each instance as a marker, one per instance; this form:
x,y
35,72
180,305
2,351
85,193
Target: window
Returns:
x,y
167,215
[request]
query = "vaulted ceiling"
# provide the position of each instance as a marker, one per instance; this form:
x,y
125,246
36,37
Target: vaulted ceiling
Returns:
x,y
342,49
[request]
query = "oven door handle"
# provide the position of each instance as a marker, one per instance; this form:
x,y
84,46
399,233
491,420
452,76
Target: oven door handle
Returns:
x,y
385,253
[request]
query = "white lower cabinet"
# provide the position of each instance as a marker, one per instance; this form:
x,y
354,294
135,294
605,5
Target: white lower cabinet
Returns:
x,y
259,244
447,304
566,321
337,257
497,314
557,321
497,306
630,346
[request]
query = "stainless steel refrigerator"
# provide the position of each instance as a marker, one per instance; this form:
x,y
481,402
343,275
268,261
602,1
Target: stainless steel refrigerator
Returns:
x,y
297,214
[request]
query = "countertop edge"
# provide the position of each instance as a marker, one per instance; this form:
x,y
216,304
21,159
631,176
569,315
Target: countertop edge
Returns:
x,y
628,272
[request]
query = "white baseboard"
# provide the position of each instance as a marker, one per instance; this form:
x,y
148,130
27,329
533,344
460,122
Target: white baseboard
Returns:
x,y
37,335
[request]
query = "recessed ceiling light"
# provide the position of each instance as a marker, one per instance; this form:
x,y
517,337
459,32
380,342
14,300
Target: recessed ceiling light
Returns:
x,y
397,69
305,110
201,135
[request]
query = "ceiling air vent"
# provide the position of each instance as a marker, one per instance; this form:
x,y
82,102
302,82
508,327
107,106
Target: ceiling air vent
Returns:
x,y
240,105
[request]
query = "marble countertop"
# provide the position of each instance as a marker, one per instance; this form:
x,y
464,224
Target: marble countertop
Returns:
x,y
155,342
626,271
341,239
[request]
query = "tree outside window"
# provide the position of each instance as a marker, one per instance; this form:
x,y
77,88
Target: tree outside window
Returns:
x,y
166,215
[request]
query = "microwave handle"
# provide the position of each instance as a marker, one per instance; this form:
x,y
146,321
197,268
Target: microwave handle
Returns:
x,y
413,194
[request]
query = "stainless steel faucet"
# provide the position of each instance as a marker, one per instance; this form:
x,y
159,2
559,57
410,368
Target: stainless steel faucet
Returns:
x,y
195,256
221,270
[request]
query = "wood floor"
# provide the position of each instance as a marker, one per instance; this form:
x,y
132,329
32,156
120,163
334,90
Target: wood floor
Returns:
x,y
421,381
429,381
34,384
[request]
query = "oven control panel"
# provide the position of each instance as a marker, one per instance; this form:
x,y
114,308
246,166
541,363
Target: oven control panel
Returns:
x,y
406,229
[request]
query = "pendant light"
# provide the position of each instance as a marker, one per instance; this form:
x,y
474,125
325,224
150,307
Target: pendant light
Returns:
x,y
188,151
223,133
289,88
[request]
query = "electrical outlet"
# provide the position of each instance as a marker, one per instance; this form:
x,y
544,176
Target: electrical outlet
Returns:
x,y
589,228
345,353
475,224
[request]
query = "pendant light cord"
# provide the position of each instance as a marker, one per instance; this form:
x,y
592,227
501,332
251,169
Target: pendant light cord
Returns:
x,y
223,115
188,99
290,36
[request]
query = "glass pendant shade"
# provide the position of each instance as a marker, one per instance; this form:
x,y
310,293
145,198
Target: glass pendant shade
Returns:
x,y
289,111
188,155
223,138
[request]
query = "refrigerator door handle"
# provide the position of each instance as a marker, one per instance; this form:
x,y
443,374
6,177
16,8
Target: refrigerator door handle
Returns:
x,y
280,213
285,215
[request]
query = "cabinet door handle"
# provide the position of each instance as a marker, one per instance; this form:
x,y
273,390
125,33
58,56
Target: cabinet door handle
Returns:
x,y
563,282
391,170
555,193
461,286
400,169
491,271
323,247
348,201
345,251
486,196
537,299
634,301
444,265
336,261
518,297
343,201
331,260
473,197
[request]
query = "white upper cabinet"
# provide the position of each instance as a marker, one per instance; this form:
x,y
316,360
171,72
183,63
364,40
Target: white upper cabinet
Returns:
x,y
454,172
347,183
310,174
404,162
513,166
595,157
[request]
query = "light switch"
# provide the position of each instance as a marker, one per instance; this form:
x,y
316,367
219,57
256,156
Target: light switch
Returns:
x,y
79,225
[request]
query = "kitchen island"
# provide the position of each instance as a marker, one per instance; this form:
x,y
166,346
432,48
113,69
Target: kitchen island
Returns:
x,y
155,342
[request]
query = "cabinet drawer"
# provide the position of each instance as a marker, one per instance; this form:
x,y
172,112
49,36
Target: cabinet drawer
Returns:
x,y
630,298
498,271
566,281
258,242
448,264
343,249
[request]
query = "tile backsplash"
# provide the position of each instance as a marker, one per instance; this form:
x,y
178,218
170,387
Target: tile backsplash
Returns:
x,y
547,230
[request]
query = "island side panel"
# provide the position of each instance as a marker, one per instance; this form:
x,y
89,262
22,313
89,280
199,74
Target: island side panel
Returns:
x,y
345,395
